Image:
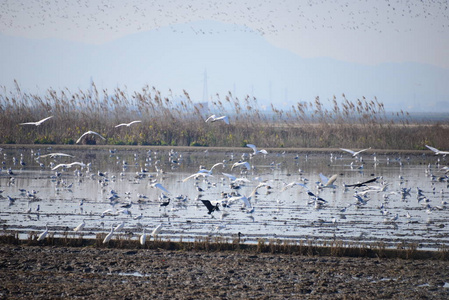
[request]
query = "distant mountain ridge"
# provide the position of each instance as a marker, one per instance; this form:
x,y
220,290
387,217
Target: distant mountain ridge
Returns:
x,y
235,58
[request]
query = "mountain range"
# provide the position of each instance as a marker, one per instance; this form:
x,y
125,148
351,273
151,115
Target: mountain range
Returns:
x,y
235,59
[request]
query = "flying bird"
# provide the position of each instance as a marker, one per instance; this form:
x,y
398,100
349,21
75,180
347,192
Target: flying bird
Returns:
x,y
89,132
67,166
327,182
241,164
360,184
292,184
211,208
436,151
196,175
214,118
128,124
53,155
355,153
263,151
159,186
38,122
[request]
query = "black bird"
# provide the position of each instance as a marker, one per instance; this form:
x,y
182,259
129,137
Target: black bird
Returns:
x,y
166,203
211,208
359,184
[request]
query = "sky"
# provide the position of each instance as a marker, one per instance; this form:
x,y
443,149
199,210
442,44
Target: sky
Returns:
x,y
359,31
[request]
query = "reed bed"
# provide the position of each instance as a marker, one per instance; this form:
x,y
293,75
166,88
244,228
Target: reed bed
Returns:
x,y
334,248
178,121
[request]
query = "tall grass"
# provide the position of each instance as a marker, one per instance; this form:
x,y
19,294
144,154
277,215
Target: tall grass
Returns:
x,y
178,121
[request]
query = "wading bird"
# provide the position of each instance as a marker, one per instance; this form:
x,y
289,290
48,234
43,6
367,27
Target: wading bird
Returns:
x,y
263,151
109,236
241,164
355,153
211,208
143,238
80,227
53,155
327,182
120,226
214,118
156,231
67,166
89,132
360,184
159,186
44,234
436,151
128,124
38,122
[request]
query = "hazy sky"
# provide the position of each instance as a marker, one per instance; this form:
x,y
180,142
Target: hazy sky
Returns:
x,y
361,31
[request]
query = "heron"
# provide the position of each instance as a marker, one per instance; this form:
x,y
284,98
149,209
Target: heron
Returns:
x,y
128,124
109,235
327,182
143,237
119,226
355,153
156,231
87,133
53,155
44,234
241,164
160,186
214,118
436,151
37,123
263,151
67,166
80,226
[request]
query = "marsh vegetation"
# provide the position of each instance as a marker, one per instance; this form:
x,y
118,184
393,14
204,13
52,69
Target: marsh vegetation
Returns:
x,y
179,121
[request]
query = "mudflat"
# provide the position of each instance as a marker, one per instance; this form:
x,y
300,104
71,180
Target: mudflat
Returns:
x,y
45,272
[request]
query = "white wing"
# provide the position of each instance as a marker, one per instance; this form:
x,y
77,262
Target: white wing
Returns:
x,y
216,165
52,155
230,176
89,132
238,164
361,151
291,184
324,179
38,122
433,149
59,166
224,118
196,175
252,147
211,118
159,186
331,180
348,150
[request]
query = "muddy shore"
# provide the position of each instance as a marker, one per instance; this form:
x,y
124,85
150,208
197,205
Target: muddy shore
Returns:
x,y
45,272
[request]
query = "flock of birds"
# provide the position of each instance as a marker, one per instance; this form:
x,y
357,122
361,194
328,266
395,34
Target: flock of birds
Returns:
x,y
266,17
243,172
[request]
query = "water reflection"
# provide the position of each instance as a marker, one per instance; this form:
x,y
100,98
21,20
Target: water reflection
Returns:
x,y
119,186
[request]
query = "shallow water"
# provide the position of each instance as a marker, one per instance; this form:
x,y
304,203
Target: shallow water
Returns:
x,y
275,213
